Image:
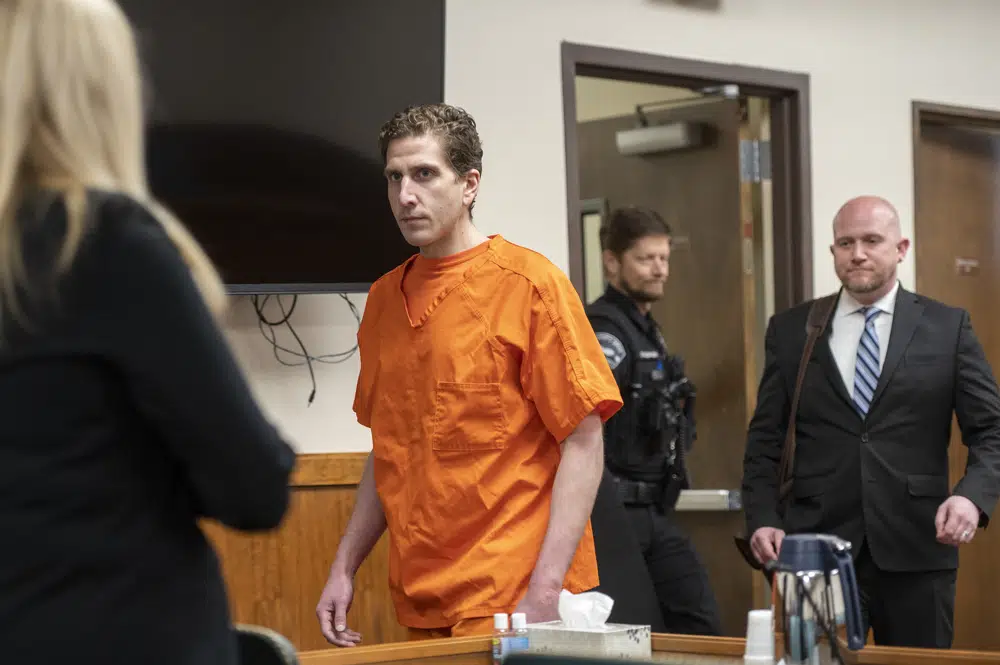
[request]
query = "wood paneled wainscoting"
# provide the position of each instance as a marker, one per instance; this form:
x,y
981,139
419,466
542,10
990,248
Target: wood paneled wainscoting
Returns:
x,y
275,579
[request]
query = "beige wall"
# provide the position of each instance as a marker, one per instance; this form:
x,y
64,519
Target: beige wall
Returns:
x,y
597,98
867,61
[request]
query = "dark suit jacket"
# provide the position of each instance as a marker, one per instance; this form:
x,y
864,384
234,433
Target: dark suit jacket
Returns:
x,y
124,418
881,478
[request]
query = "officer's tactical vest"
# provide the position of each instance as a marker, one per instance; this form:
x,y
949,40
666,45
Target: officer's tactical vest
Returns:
x,y
628,451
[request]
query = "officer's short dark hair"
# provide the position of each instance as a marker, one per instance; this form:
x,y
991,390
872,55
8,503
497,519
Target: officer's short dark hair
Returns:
x,y
626,226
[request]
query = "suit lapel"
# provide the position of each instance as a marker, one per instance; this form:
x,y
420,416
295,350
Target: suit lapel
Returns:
x,y
824,356
905,319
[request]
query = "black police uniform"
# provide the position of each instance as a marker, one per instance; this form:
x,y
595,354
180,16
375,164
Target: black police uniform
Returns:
x,y
645,444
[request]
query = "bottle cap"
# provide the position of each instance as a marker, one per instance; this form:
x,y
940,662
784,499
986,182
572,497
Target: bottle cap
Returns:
x,y
518,621
500,621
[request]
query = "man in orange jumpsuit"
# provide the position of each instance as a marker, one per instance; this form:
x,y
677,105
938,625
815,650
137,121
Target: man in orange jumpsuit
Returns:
x,y
485,390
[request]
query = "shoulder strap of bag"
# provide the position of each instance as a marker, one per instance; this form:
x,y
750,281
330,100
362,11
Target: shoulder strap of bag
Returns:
x,y
819,318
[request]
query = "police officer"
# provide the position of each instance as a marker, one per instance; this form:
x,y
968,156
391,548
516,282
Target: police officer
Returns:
x,y
646,441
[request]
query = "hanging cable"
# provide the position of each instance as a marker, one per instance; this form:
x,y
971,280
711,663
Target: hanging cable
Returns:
x,y
303,357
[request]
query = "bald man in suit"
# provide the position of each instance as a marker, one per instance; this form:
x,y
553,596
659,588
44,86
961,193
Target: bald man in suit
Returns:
x,y
872,427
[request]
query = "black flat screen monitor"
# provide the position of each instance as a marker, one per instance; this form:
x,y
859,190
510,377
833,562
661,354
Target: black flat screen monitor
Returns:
x,y
262,130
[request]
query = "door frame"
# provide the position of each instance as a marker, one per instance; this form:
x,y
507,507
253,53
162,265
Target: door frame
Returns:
x,y
952,116
788,93
960,118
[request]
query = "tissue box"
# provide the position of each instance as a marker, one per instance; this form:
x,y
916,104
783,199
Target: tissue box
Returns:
x,y
613,640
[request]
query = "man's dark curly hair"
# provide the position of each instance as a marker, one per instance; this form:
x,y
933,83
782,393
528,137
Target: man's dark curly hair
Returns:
x,y
456,129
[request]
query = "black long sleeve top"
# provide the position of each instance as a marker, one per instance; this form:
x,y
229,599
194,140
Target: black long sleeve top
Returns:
x,y
124,418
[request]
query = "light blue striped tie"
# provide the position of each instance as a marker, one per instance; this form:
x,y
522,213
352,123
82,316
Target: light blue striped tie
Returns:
x,y
866,367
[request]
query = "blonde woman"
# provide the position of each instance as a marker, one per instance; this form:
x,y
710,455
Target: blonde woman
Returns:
x,y
123,415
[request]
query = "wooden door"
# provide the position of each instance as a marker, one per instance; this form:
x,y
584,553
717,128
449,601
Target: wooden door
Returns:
x,y
697,190
957,254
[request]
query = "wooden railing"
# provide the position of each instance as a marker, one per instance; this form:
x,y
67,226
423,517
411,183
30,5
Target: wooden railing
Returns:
x,y
666,649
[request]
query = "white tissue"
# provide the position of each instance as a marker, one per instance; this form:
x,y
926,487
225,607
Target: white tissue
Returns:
x,y
590,609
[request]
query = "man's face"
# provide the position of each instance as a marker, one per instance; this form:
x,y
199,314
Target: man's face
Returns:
x,y
866,248
427,197
642,270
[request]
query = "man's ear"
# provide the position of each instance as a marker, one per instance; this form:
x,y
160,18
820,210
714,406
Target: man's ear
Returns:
x,y
902,247
612,265
471,190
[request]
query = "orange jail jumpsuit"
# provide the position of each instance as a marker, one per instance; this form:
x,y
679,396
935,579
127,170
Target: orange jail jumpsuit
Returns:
x,y
469,382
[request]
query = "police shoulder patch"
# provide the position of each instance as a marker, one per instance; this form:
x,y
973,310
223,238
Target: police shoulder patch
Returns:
x,y
613,348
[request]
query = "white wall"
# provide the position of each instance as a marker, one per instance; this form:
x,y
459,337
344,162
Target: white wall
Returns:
x,y
867,61
325,325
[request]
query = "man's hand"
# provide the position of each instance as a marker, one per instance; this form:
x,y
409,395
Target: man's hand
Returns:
x,y
363,530
766,543
573,493
539,604
956,521
332,610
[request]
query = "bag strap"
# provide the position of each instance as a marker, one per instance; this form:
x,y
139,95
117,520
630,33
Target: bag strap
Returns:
x,y
819,318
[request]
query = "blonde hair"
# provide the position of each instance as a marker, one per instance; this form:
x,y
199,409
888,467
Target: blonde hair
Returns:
x,y
71,118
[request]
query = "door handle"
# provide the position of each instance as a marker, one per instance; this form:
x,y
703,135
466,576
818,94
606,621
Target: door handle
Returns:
x,y
710,500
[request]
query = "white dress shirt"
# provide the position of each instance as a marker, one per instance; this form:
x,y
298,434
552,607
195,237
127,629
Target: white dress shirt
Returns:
x,y
847,326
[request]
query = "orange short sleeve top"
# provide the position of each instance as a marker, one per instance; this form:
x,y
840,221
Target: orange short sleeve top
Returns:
x,y
468,399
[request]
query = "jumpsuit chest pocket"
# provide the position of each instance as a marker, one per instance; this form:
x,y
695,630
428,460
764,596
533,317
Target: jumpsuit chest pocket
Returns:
x,y
467,417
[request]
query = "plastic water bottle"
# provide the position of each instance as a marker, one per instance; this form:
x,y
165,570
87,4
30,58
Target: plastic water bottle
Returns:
x,y
518,640
500,636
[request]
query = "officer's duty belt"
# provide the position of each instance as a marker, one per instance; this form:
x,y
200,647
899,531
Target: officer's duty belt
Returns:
x,y
637,491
